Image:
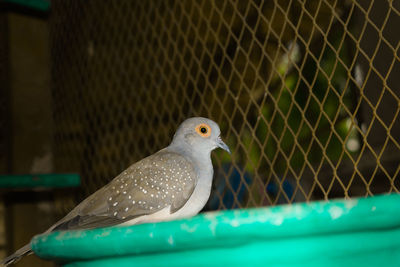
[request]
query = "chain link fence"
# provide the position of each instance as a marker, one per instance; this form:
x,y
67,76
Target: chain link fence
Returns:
x,y
306,92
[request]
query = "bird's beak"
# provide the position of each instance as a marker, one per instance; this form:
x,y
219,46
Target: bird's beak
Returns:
x,y
222,145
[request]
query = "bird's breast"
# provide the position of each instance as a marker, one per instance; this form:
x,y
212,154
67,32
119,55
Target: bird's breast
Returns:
x,y
201,193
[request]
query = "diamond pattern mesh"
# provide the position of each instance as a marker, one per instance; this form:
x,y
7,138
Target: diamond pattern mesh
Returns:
x,y
306,92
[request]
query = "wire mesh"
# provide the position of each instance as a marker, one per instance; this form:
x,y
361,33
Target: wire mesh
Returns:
x,y
306,92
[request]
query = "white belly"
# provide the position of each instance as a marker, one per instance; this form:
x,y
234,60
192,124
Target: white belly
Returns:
x,y
196,202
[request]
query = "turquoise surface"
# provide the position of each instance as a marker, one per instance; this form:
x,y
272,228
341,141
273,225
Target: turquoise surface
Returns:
x,y
357,232
40,5
40,180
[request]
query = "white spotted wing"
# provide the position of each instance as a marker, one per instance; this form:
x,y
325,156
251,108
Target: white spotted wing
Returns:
x,y
165,179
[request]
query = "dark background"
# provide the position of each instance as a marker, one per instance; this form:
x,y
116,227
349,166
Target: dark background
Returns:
x,y
306,94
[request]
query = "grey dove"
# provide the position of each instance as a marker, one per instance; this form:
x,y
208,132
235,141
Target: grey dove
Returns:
x,y
173,183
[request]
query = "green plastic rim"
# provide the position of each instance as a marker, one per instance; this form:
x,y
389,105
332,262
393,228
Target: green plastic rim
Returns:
x,y
35,181
326,233
40,5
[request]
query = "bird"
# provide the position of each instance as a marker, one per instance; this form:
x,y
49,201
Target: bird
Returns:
x,y
173,183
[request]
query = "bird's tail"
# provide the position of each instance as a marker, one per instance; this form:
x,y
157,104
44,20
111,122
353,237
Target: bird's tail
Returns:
x,y
25,250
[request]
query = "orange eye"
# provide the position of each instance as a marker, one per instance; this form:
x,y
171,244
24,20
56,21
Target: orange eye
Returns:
x,y
203,129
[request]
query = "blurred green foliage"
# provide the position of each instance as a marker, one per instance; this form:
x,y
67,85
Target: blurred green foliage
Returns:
x,y
293,93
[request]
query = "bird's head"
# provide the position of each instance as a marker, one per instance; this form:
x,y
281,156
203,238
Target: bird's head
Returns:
x,y
200,135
